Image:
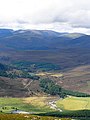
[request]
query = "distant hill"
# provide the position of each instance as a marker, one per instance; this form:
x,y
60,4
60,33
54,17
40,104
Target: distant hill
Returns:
x,y
6,32
41,40
66,49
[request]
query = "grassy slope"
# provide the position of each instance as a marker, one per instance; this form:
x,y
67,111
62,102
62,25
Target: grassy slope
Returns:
x,y
74,103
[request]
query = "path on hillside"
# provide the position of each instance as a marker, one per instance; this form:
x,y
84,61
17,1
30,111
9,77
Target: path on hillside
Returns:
x,y
26,86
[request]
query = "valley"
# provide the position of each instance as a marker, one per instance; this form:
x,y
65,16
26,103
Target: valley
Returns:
x,y
43,74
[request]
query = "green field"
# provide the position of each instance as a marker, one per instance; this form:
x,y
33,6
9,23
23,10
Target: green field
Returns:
x,y
74,103
78,107
30,104
40,104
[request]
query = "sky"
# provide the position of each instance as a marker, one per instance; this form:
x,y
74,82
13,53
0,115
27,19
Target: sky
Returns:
x,y
59,15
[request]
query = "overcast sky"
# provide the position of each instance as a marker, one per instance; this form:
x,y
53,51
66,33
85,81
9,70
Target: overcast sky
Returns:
x,y
58,15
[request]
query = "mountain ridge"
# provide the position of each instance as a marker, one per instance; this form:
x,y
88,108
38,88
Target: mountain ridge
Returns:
x,y
41,40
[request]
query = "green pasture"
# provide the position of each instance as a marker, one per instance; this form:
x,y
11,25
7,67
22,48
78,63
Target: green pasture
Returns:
x,y
9,104
74,103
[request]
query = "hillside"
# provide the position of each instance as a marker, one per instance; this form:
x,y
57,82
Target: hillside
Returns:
x,y
77,79
65,49
24,53
24,79
42,40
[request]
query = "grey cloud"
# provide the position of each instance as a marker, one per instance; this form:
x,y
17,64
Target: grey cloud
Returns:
x,y
51,14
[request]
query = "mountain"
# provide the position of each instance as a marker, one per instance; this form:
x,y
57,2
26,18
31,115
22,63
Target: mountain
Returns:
x,y
65,49
6,32
41,40
26,39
